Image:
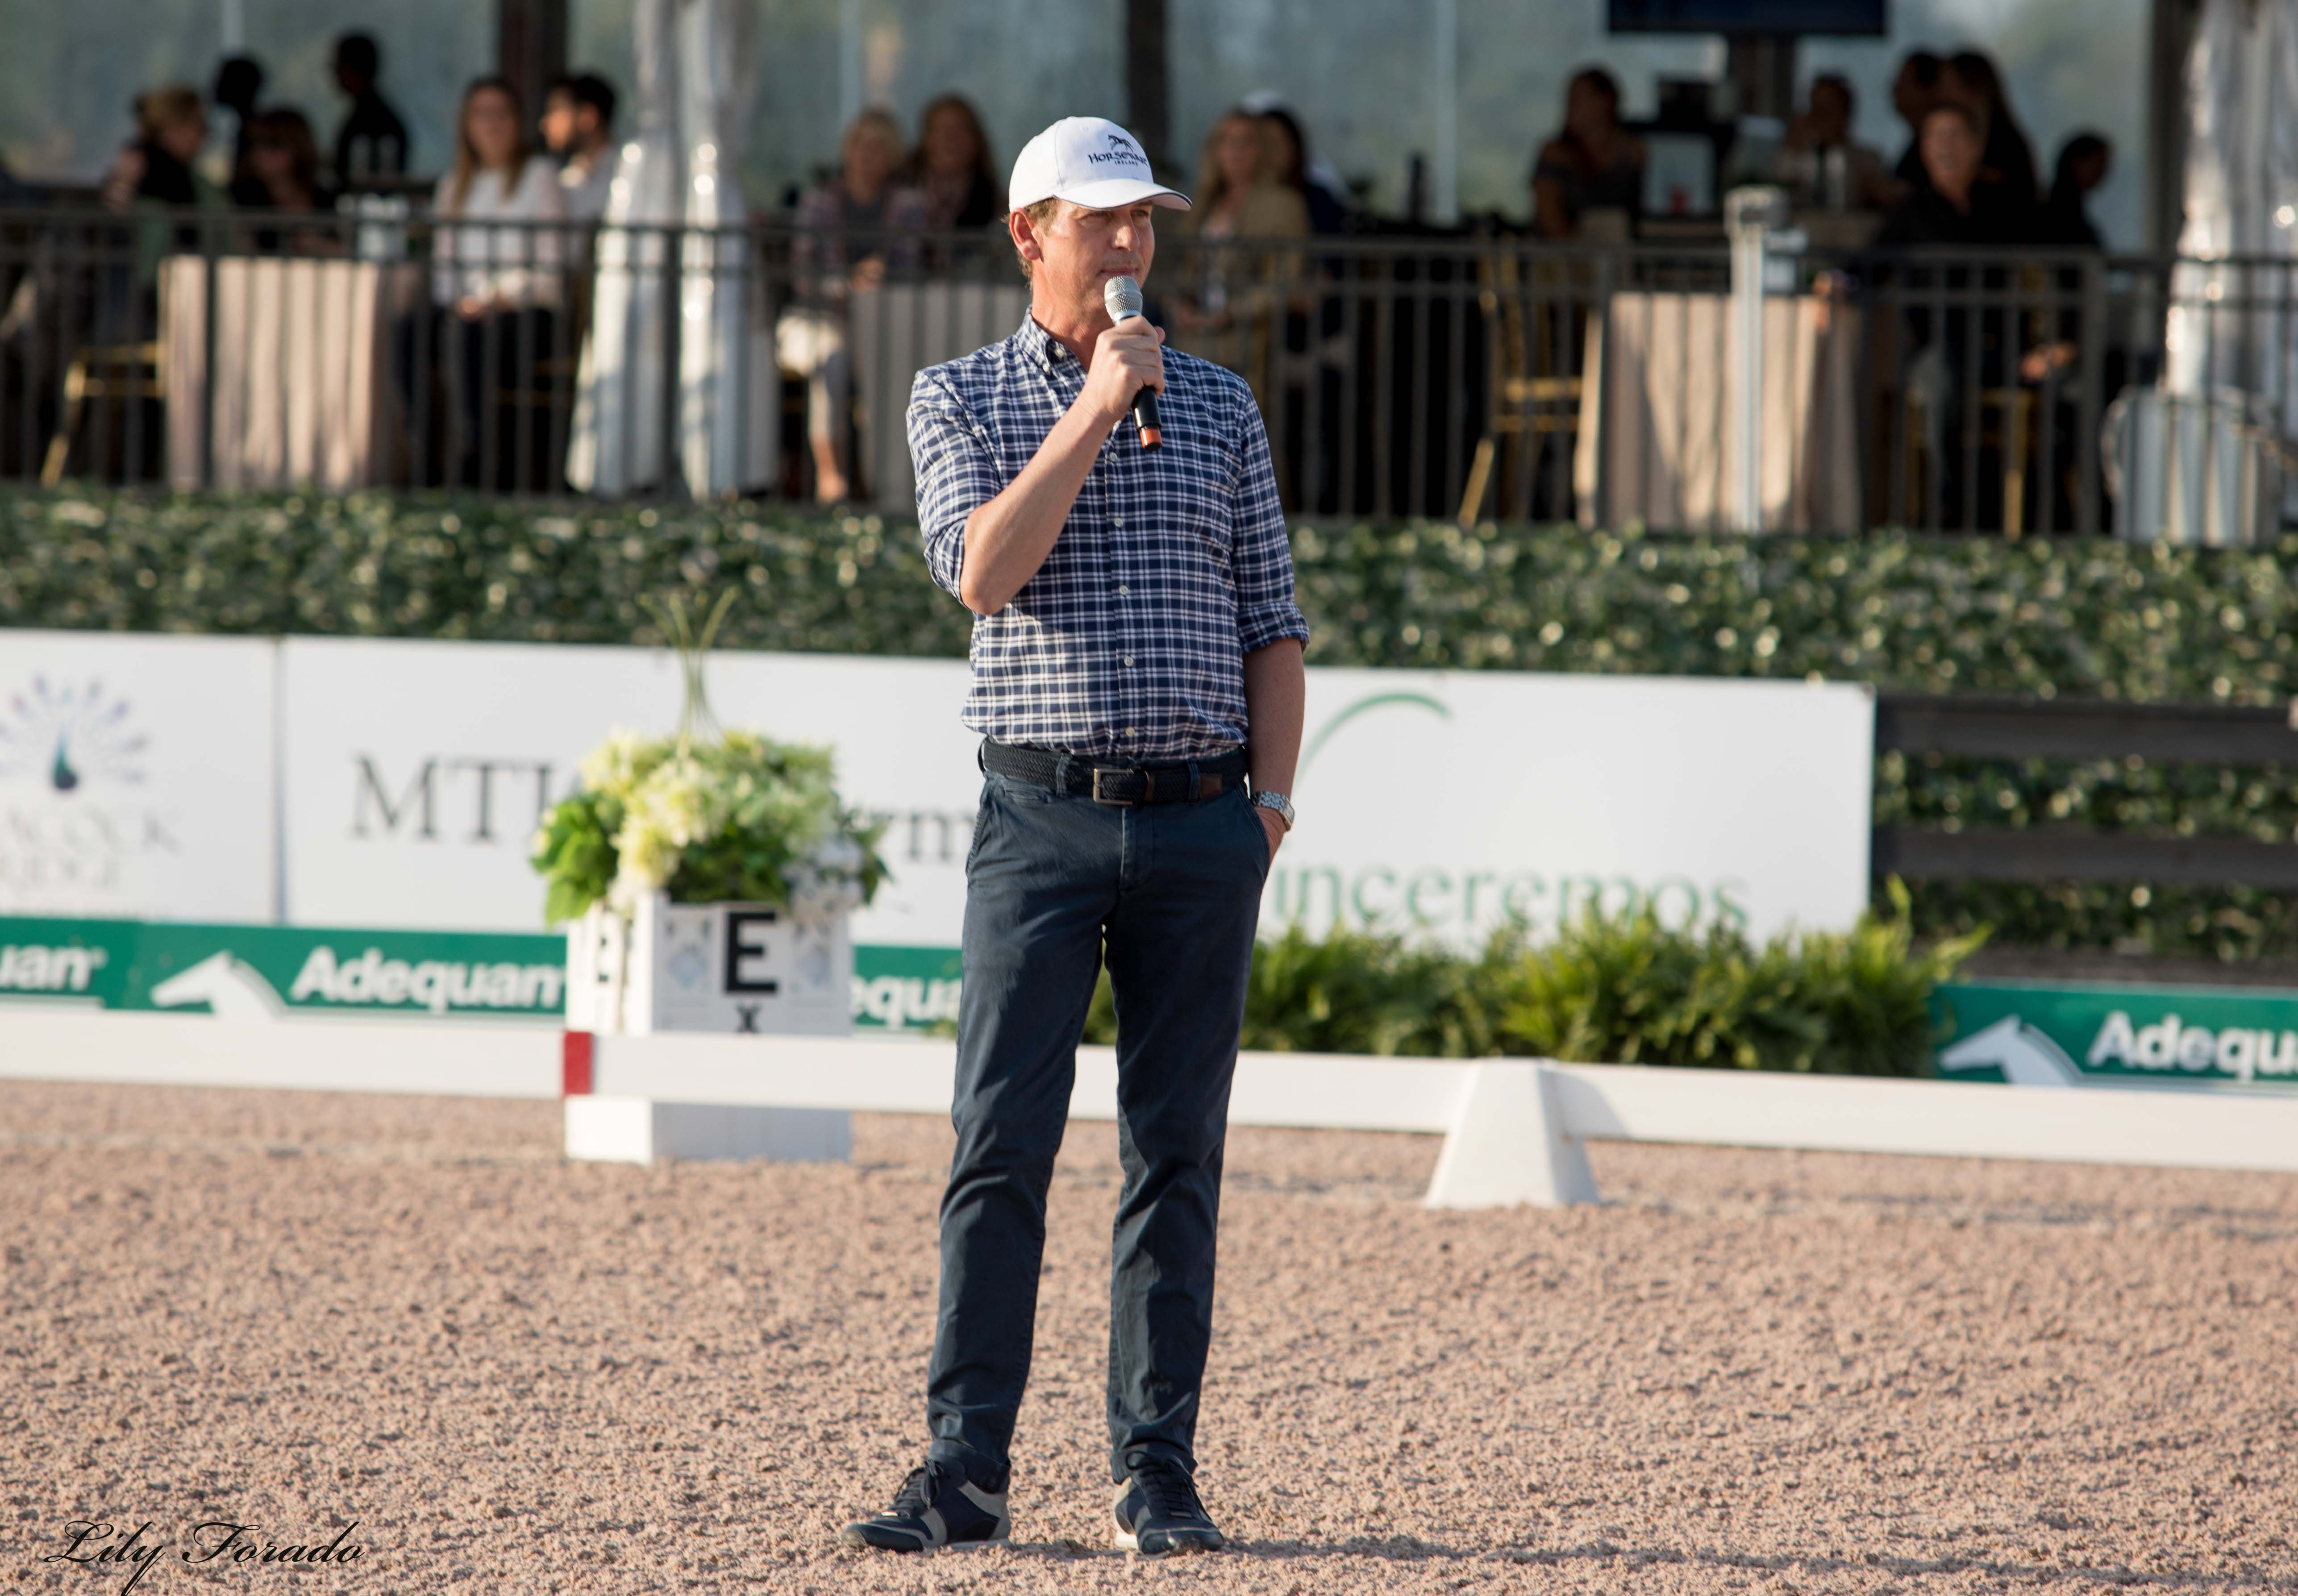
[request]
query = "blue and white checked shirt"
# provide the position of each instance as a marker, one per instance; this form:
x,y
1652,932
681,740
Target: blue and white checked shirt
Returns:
x,y
1130,641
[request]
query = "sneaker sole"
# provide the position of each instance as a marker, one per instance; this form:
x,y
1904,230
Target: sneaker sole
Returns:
x,y
859,1540
1190,1546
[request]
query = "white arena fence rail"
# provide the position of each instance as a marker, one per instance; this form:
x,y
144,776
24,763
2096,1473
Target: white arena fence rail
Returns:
x,y
1514,1129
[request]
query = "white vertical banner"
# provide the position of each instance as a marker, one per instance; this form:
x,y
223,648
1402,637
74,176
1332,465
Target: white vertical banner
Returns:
x,y
416,772
1447,804
136,778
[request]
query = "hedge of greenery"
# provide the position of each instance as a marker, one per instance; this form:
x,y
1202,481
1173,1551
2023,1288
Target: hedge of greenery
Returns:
x,y
1608,990
2075,617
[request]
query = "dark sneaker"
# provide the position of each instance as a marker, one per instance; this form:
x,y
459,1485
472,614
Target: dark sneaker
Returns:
x,y
936,1507
1158,1513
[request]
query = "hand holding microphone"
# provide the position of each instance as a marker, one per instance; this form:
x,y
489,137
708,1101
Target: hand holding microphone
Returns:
x,y
1135,350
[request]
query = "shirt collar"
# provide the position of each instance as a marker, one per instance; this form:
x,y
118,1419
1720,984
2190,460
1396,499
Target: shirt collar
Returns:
x,y
1039,344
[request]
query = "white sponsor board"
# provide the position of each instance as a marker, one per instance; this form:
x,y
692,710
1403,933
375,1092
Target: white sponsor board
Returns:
x,y
1447,803
416,771
1436,803
137,776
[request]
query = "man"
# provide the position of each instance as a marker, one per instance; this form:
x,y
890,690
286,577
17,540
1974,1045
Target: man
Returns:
x,y
1825,168
1915,90
239,85
372,142
1137,654
578,123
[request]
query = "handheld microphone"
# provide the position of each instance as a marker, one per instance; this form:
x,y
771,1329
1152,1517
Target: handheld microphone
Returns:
x,y
1123,296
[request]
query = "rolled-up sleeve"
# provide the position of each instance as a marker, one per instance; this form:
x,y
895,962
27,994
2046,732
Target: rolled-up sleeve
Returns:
x,y
1261,554
956,473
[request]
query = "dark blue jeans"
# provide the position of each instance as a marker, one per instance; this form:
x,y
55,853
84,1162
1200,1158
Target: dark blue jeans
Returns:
x,y
1171,894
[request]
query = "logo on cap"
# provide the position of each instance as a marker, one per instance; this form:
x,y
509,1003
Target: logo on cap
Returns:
x,y
1122,150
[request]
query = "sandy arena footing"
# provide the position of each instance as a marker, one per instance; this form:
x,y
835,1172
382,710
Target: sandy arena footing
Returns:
x,y
510,1374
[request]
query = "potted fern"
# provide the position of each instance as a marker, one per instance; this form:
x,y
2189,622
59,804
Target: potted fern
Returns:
x,y
706,879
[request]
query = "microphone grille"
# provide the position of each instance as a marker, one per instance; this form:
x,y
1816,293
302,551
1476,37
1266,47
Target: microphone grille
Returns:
x,y
1123,296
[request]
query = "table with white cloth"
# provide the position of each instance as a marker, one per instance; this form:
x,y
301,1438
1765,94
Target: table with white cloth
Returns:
x,y
894,331
1656,411
300,360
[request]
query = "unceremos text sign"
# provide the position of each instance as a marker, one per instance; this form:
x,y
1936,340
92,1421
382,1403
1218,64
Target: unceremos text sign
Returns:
x,y
1434,803
2033,1034
266,973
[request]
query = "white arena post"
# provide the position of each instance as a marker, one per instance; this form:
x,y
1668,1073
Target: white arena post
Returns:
x,y
1508,1143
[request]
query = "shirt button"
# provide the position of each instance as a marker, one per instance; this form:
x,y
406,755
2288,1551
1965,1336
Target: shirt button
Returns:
x,y
1128,659
1117,521
1129,732
1122,590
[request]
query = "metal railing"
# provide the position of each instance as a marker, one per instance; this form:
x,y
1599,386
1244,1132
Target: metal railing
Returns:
x,y
1484,377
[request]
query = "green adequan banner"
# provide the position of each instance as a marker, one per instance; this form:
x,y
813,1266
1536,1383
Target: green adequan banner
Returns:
x,y
2033,1034
265,972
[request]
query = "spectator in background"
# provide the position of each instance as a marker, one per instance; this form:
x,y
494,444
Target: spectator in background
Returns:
x,y
1915,90
283,175
1224,308
1823,166
2083,163
239,85
1290,167
1960,201
156,170
952,167
171,127
1971,80
495,255
827,262
1594,163
372,142
578,127
1956,346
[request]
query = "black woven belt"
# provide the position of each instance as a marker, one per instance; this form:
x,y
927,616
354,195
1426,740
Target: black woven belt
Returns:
x,y
1166,781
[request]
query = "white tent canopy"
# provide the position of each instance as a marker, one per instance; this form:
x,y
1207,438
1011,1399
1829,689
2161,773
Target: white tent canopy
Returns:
x,y
693,96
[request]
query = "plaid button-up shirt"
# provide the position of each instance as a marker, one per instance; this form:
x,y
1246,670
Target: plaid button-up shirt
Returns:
x,y
1129,641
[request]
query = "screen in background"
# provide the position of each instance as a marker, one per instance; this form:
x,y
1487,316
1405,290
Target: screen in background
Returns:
x,y
1748,16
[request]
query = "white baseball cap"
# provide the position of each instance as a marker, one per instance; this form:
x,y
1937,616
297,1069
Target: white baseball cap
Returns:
x,y
1088,161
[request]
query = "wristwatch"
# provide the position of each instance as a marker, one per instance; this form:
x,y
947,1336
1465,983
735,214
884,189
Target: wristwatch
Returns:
x,y
1277,801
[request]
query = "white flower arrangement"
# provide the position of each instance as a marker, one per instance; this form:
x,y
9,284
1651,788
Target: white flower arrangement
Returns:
x,y
734,818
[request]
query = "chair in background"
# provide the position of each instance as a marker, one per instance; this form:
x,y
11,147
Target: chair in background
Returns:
x,y
1529,402
2006,430
129,372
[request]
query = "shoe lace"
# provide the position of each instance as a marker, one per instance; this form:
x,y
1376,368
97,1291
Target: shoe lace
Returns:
x,y
1168,1491
918,1492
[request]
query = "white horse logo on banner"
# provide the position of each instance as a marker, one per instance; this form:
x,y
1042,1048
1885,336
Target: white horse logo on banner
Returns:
x,y
232,989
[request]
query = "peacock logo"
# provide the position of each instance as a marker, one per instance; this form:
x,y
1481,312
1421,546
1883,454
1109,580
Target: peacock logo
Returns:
x,y
68,736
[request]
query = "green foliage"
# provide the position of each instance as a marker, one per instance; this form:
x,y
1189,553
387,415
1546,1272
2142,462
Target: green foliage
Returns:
x,y
2080,618
376,565
735,818
1621,989
1626,990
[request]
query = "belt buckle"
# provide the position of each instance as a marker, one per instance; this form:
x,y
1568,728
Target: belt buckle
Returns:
x,y
1121,803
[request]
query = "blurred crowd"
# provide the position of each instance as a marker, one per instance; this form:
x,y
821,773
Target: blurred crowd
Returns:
x,y
508,217
1966,174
